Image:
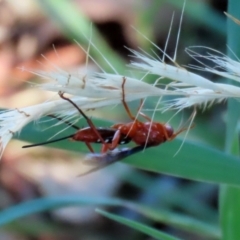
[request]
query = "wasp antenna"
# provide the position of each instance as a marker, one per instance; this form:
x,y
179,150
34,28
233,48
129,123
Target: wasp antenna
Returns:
x,y
47,142
89,121
64,121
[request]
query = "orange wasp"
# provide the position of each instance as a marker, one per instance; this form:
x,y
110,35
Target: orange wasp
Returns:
x,y
147,133
144,134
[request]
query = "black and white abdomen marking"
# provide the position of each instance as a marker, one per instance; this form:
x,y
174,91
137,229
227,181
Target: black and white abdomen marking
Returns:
x,y
108,134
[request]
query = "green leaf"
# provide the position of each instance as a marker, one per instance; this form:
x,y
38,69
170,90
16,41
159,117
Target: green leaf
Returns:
x,y
138,226
43,204
49,203
194,161
229,214
179,221
230,196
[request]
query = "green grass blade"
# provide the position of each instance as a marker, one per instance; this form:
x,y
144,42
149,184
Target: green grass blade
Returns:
x,y
138,226
75,25
49,203
167,217
229,212
194,161
230,196
179,221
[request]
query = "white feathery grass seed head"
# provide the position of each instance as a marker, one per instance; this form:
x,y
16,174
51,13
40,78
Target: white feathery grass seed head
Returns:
x,y
92,90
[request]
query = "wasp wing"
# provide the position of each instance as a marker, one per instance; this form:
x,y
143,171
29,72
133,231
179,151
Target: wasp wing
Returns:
x,y
96,161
